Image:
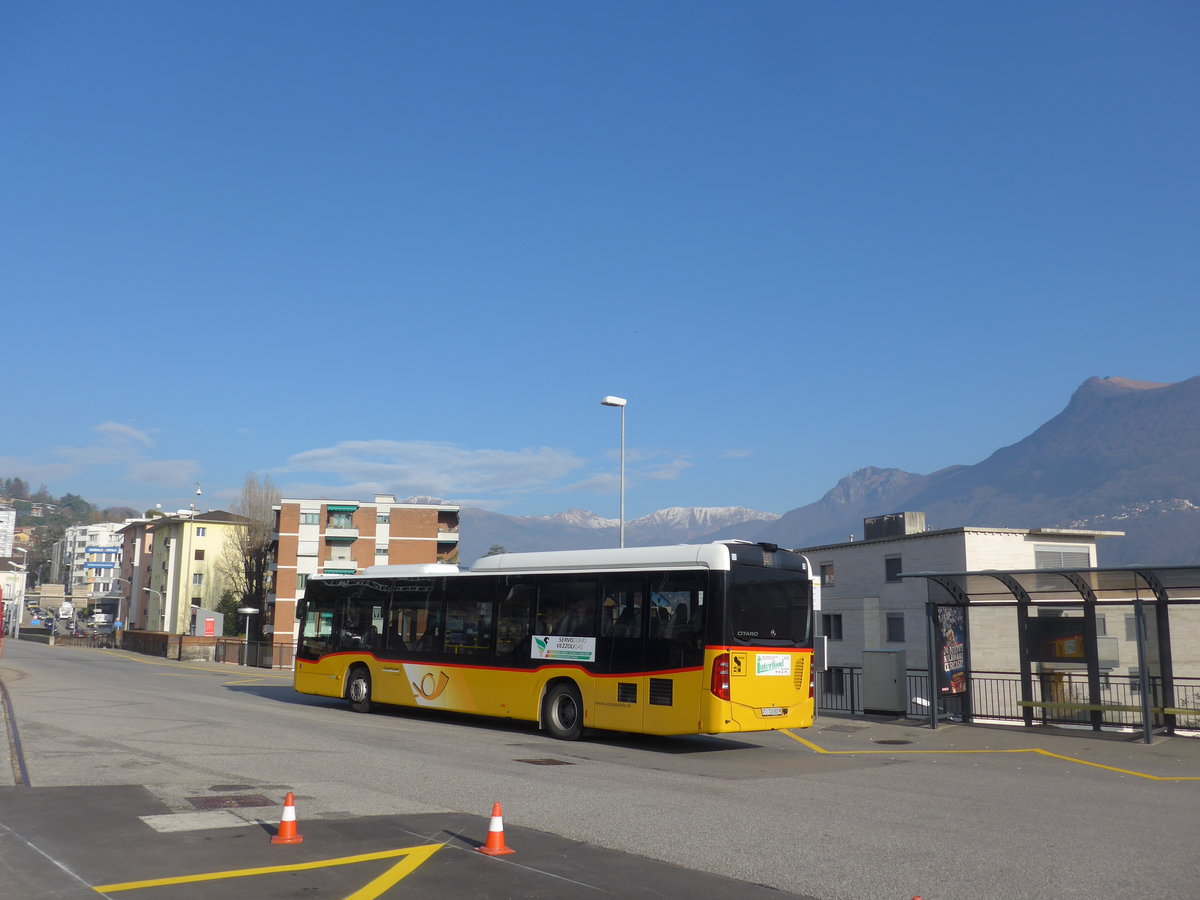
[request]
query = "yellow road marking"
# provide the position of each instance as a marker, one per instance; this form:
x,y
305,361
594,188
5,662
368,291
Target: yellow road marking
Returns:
x,y
393,875
413,858
1082,762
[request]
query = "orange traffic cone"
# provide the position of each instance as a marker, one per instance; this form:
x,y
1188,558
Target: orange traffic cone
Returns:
x,y
287,825
495,839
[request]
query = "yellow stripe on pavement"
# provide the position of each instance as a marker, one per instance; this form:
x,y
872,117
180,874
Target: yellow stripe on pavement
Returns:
x,y
414,857
1082,762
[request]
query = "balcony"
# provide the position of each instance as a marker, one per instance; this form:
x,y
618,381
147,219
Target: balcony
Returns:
x,y
341,534
447,537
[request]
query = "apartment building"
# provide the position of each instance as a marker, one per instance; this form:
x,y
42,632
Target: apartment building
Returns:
x,y
339,537
86,561
185,567
137,546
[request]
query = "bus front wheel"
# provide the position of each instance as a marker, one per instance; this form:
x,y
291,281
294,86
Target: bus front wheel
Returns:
x,y
562,712
358,690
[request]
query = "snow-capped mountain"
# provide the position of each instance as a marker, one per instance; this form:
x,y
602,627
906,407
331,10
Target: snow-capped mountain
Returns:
x,y
580,518
686,523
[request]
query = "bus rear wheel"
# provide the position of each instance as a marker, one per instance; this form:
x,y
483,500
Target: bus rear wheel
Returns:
x,y
358,689
562,712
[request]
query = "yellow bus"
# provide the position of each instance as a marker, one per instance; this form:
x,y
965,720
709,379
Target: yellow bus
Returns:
x,y
690,639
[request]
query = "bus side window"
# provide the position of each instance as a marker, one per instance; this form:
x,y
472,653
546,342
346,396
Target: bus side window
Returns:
x,y
468,616
416,618
567,607
512,620
679,599
622,609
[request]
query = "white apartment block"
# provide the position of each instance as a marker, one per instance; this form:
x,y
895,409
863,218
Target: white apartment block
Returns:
x,y
866,605
87,560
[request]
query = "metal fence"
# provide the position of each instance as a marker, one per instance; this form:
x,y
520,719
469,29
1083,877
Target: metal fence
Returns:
x,y
258,654
231,650
102,641
1057,697
840,690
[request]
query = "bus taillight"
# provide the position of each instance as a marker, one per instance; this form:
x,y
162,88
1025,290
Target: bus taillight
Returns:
x,y
720,677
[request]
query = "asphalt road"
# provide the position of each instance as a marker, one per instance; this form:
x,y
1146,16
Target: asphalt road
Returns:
x,y
960,812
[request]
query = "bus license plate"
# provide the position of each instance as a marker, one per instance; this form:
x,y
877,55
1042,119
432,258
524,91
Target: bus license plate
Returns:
x,y
772,711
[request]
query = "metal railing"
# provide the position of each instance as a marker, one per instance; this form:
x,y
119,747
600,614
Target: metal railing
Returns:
x,y
257,654
839,689
1058,698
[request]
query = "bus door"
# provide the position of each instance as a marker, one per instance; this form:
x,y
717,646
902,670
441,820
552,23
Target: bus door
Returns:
x,y
565,635
673,657
620,649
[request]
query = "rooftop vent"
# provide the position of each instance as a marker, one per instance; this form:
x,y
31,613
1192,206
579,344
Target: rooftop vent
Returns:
x,y
893,525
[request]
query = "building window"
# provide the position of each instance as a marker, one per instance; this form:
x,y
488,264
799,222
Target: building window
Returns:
x,y
1052,556
891,568
197,578
199,554
341,520
381,551
895,628
383,518
310,518
201,531
826,574
301,582
831,626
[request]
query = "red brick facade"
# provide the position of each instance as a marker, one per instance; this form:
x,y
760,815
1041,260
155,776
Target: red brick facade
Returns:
x,y
414,534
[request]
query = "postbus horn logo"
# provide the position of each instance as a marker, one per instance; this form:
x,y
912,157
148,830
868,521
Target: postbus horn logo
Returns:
x,y
430,686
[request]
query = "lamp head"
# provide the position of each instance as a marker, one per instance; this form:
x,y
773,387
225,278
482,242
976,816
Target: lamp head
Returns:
x,y
613,401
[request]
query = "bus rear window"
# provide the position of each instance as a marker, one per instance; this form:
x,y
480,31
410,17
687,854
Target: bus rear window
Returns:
x,y
769,606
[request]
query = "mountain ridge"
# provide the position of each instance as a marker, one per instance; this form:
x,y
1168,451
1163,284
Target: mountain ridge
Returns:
x,y
1121,455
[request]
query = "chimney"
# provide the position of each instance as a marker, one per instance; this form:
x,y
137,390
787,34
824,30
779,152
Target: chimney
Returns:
x,y
385,498
893,525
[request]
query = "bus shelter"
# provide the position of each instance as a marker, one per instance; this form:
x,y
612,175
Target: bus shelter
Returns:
x,y
1106,647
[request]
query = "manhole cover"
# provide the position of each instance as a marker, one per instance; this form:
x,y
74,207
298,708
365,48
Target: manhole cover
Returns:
x,y
546,762
892,742
241,800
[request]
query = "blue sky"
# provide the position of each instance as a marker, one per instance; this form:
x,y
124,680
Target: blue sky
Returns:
x,y
407,247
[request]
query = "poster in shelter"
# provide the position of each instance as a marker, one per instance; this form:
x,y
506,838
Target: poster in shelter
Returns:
x,y
952,639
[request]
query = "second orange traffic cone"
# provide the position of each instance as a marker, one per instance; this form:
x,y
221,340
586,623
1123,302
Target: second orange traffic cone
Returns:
x,y
495,840
287,825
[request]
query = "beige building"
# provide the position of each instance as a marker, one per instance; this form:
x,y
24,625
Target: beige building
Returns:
x,y
137,544
346,536
185,552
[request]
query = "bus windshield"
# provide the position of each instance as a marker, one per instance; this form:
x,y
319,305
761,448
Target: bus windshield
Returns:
x,y
769,606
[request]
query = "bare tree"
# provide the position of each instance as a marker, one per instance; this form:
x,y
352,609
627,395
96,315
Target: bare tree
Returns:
x,y
245,564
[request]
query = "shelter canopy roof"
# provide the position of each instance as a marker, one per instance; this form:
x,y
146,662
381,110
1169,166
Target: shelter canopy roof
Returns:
x,y
1165,584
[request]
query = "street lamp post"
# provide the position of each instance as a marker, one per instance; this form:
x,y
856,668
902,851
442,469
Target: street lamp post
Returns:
x,y
620,401
120,616
14,607
161,612
247,611
186,574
